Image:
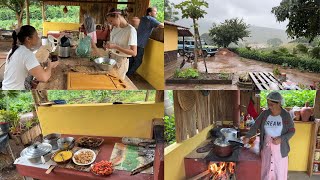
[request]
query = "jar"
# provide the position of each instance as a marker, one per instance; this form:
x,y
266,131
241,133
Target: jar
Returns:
x,y
317,156
315,167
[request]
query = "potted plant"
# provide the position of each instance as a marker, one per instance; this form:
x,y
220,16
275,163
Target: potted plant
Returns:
x,y
14,121
4,124
31,130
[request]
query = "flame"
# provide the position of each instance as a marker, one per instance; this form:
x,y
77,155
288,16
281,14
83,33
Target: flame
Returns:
x,y
221,169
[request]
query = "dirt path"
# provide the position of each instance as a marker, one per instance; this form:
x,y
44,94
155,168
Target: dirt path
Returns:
x,y
237,65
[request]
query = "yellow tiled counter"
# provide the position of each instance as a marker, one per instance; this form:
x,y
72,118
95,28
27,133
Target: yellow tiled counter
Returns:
x,y
133,120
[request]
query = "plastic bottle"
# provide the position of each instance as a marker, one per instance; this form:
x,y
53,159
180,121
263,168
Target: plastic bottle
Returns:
x,y
242,121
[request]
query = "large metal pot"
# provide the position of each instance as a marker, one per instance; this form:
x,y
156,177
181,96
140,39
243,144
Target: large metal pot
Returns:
x,y
52,140
38,153
222,148
229,134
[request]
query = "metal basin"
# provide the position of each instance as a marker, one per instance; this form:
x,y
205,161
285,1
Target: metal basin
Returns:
x,y
105,63
66,143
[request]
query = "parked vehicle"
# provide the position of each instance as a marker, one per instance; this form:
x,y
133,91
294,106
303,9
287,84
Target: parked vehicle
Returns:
x,y
189,47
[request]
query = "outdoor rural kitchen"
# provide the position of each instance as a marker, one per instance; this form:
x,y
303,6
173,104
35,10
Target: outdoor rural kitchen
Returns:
x,y
90,141
89,61
214,137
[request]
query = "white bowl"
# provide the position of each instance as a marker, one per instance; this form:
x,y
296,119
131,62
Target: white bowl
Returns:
x,y
81,150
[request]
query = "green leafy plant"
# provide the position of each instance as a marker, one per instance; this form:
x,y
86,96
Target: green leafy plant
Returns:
x,y
315,52
187,73
304,62
12,118
302,48
276,71
285,65
223,76
169,130
28,124
291,97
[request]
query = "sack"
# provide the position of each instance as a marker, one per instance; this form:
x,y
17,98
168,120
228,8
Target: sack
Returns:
x,y
84,47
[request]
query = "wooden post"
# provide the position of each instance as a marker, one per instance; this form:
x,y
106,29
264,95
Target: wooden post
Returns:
x,y
27,12
317,105
43,11
159,96
158,132
39,97
147,96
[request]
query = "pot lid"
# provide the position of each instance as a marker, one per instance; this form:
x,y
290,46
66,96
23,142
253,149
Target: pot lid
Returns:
x,y
36,150
228,130
220,142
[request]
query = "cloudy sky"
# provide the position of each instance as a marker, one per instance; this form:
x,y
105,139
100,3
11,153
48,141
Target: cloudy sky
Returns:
x,y
254,12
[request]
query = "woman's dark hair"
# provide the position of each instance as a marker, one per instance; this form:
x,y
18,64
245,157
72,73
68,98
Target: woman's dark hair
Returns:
x,y
25,31
114,12
149,10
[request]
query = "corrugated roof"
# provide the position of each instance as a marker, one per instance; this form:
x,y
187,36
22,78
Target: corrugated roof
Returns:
x,y
173,24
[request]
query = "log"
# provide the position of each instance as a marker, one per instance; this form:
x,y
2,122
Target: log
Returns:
x,y
204,173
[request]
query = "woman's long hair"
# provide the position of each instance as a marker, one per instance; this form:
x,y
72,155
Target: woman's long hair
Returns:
x,y
24,32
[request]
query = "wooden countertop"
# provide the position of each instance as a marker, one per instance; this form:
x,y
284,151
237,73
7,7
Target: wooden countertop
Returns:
x,y
58,78
70,174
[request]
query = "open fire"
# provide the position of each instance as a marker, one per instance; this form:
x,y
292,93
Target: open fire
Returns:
x,y
217,171
222,170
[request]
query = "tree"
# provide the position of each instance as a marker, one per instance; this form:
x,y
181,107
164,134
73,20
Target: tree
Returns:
x,y
193,9
17,6
230,31
274,42
303,16
169,12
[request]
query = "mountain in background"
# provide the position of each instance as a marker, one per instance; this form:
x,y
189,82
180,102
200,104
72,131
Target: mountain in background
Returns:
x,y
258,35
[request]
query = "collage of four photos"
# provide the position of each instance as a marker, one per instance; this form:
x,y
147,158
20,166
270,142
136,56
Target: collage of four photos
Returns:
x,y
159,90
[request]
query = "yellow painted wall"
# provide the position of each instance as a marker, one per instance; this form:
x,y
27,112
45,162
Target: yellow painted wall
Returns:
x,y
152,67
299,147
175,153
58,26
132,120
170,38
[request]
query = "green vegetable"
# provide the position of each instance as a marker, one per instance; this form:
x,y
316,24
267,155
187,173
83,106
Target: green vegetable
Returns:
x,y
187,73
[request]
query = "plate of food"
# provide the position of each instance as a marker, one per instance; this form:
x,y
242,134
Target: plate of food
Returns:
x,y
89,142
84,157
102,168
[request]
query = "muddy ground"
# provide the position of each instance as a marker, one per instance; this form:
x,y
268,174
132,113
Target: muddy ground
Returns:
x,y
235,64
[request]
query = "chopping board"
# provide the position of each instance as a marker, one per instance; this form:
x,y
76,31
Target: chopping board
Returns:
x,y
87,81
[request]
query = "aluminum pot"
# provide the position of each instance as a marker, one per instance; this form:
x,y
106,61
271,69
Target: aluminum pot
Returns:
x,y
222,148
229,133
52,140
38,153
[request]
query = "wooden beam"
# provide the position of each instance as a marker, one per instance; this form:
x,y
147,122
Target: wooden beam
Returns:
x,y
159,96
51,2
27,12
317,105
43,12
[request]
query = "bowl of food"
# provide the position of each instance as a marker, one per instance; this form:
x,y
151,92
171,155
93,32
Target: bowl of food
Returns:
x,y
102,168
66,143
105,63
62,157
84,157
89,142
